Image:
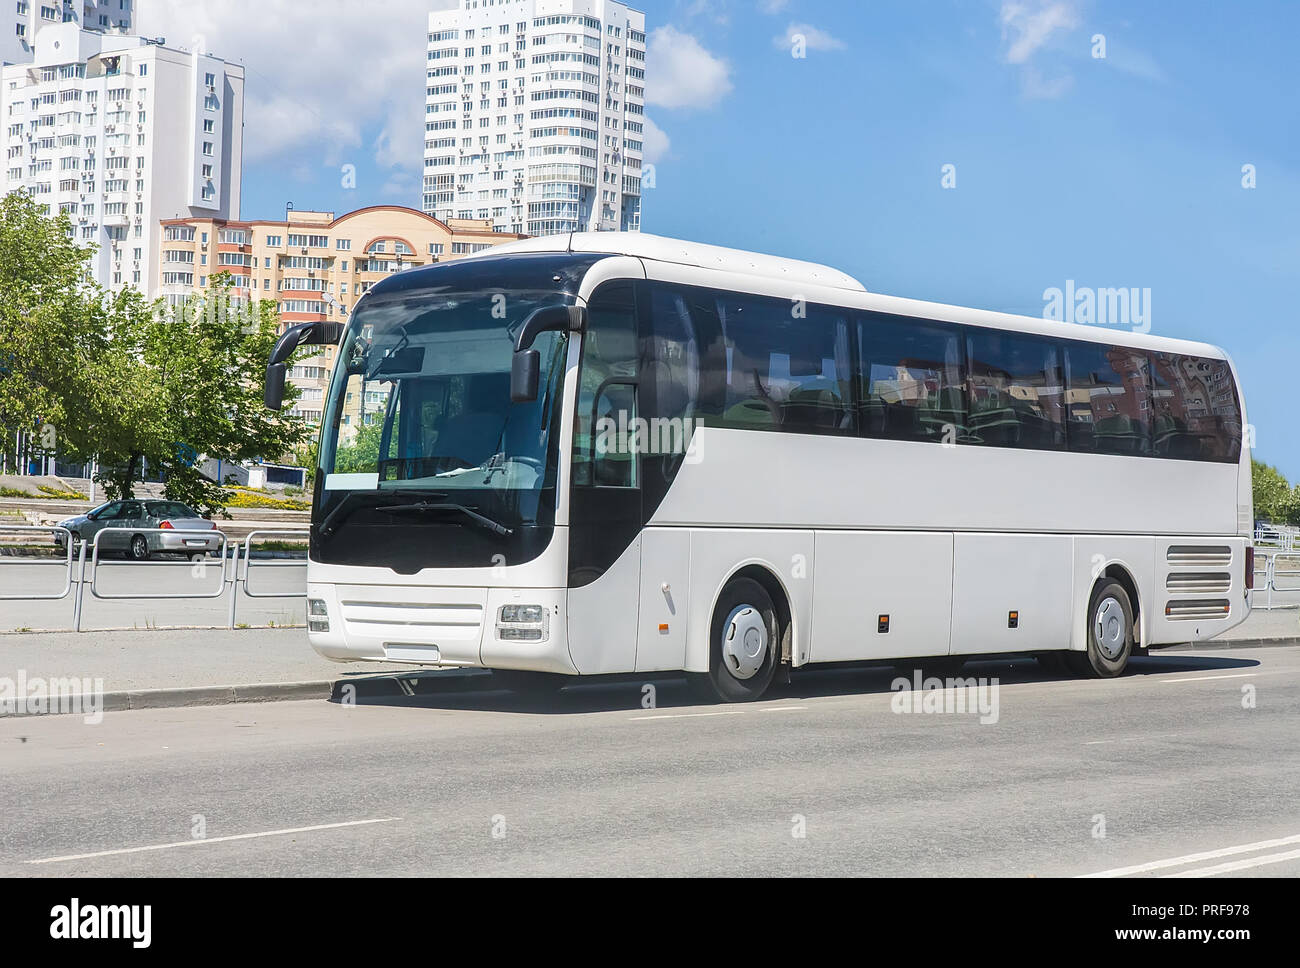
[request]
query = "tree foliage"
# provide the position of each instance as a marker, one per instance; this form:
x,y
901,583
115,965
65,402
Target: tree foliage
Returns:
x,y
128,381
1274,498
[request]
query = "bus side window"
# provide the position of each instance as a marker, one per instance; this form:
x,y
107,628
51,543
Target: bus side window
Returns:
x,y
1015,391
913,380
609,368
1109,399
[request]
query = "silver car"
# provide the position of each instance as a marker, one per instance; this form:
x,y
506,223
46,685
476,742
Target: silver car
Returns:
x,y
145,514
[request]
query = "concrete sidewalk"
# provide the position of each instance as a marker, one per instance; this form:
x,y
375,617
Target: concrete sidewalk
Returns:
x,y
142,668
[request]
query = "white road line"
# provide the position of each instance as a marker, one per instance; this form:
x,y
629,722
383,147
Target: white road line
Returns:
x,y
1238,675
725,712
1156,865
1237,865
213,840
780,709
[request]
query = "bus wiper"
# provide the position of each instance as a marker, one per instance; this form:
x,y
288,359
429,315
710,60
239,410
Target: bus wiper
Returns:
x,y
482,520
350,503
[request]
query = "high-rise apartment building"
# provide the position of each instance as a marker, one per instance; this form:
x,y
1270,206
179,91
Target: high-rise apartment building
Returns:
x,y
314,265
120,132
18,32
535,114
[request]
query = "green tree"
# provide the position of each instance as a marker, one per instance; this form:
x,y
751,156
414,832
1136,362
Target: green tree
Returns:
x,y
51,326
179,383
1274,498
360,455
1270,491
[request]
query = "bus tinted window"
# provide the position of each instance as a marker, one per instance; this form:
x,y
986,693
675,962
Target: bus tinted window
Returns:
x,y
786,366
1016,391
1108,399
609,356
912,381
1196,413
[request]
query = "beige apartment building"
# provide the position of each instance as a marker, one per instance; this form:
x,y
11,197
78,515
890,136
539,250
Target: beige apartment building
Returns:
x,y
314,265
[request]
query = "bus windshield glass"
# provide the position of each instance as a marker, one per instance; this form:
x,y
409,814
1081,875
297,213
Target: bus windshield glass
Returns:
x,y
420,432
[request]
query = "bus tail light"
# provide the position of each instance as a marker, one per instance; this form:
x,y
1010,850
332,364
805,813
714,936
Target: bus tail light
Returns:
x,y
523,623
1250,568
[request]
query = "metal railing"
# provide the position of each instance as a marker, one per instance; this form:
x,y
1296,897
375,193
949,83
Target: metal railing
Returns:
x,y
1278,588
233,580
66,562
94,563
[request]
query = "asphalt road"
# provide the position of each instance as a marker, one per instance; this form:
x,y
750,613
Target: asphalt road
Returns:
x,y
162,577
1191,764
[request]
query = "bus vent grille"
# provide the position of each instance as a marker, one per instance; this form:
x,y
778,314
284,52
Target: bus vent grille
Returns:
x,y
1197,609
1199,556
1199,583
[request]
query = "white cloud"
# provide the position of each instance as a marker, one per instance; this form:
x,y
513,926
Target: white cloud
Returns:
x,y
1027,27
682,73
318,75
656,142
814,38
773,6
1029,24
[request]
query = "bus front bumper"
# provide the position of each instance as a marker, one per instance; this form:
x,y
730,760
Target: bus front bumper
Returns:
x,y
491,628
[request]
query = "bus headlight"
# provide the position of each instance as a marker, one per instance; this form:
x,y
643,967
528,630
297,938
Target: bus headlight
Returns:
x,y
523,623
318,616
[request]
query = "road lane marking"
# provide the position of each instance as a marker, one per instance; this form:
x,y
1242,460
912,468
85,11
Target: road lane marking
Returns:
x,y
1186,859
725,712
212,840
780,709
1236,675
1237,865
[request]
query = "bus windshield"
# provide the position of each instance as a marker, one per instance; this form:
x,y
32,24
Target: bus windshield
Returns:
x,y
420,432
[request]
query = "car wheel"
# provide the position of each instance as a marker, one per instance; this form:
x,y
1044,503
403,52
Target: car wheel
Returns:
x,y
139,548
744,645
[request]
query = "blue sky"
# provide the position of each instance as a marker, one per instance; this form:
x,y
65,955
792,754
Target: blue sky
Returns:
x,y
1117,172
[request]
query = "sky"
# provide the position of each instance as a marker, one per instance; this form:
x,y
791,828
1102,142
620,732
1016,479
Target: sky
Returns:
x,y
973,152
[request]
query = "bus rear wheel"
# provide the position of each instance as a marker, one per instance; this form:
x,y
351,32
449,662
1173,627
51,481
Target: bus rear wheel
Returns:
x,y
1110,634
744,645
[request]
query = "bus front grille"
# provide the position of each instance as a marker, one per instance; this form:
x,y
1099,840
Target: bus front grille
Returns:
x,y
413,622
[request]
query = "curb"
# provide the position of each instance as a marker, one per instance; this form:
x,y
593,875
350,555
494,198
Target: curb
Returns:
x,y
386,685
1216,644
116,702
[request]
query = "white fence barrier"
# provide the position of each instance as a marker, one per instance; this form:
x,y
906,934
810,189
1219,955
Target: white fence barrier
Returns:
x,y
233,580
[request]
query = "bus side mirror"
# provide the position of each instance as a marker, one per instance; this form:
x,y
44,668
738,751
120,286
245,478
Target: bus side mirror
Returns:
x,y
273,396
304,334
524,369
526,364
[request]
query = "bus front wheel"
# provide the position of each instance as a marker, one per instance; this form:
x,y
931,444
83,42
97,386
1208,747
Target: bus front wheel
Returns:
x,y
744,644
1110,634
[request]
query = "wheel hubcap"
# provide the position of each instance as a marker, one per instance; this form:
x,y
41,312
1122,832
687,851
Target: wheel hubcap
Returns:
x,y
744,642
138,547
1109,628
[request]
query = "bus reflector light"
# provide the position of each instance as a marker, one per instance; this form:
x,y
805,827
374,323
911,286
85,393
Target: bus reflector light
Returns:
x,y
882,623
1013,620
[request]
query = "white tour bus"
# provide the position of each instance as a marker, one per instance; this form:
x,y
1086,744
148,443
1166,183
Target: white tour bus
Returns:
x,y
620,454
